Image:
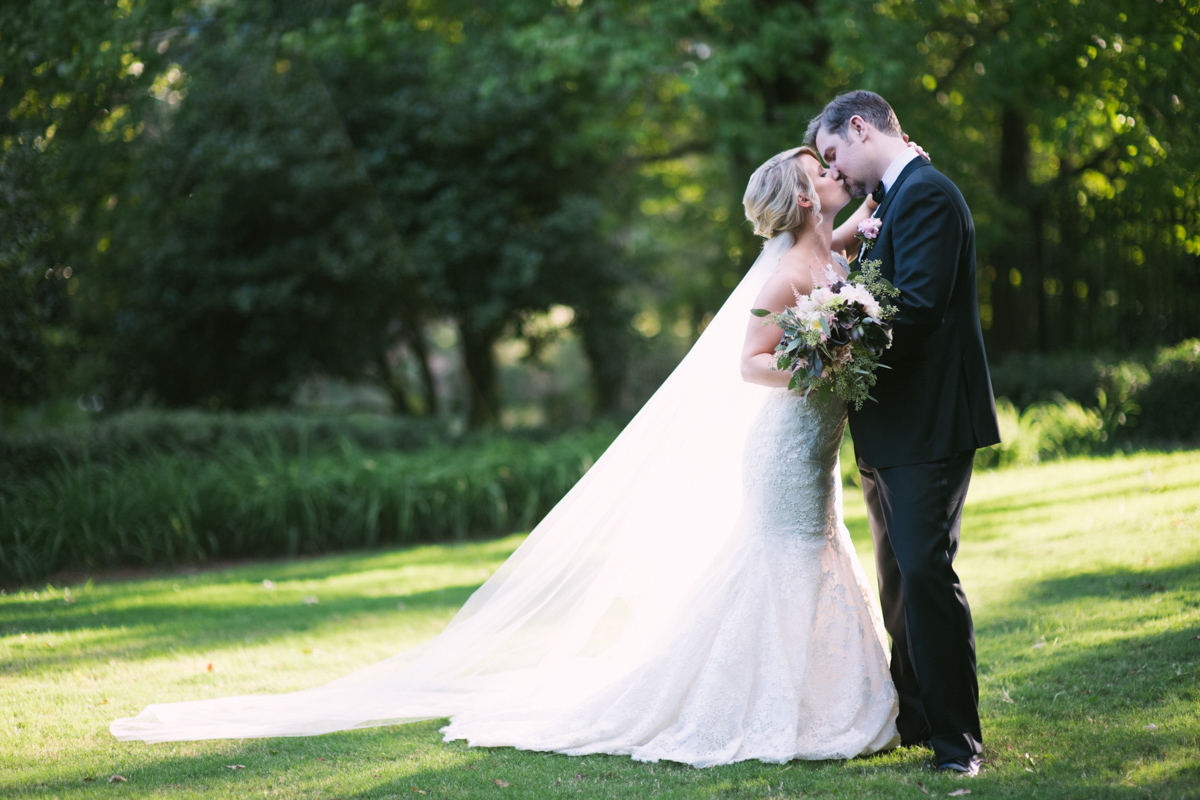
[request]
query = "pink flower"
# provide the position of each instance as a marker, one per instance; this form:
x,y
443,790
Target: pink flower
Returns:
x,y
821,294
869,227
857,294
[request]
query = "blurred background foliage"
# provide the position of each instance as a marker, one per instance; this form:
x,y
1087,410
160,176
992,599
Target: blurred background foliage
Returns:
x,y
230,205
486,223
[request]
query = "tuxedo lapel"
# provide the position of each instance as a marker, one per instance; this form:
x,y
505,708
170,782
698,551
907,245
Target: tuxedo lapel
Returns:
x,y
909,168
912,166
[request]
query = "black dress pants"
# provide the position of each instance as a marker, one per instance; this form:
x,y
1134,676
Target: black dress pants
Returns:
x,y
915,513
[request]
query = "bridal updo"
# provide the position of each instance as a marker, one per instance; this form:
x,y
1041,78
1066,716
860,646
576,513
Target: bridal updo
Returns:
x,y
773,194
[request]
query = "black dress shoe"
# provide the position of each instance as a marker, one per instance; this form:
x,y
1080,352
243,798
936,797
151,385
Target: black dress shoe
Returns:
x,y
964,766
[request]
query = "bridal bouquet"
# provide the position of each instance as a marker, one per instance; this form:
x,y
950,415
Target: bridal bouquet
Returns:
x,y
834,337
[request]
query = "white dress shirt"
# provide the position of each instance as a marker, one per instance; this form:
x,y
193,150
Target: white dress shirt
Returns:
x,y
897,166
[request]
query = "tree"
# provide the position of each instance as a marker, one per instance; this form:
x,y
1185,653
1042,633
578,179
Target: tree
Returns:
x,y
1071,128
483,178
249,250
75,78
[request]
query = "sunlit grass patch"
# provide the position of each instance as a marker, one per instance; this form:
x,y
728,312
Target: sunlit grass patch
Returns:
x,y
1084,578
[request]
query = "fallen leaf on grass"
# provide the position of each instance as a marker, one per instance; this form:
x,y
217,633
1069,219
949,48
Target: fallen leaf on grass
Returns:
x,y
1004,696
311,600
1150,727
103,702
235,766
209,667
418,791
959,792
268,584
921,786
500,783
89,778
117,779
1039,644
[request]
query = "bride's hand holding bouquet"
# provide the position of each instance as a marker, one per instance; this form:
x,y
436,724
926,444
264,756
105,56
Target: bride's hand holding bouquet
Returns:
x,y
833,338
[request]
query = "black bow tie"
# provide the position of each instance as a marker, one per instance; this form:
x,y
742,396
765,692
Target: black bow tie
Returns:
x,y
877,195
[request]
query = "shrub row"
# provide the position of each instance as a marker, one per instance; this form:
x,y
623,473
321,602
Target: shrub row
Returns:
x,y
118,438
163,508
151,488
1152,400
1044,432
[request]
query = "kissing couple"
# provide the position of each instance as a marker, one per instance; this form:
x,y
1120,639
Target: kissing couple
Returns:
x,y
696,596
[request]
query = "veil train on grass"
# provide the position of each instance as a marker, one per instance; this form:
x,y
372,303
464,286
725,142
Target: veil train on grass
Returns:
x,y
594,591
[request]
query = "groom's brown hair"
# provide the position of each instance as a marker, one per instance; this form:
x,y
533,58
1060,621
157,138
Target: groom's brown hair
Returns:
x,y
835,117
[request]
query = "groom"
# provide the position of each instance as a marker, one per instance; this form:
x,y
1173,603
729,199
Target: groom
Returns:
x,y
915,446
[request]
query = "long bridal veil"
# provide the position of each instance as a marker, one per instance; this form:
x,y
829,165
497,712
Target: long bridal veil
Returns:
x,y
593,591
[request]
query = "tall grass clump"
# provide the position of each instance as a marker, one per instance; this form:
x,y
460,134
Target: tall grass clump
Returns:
x,y
1043,432
260,498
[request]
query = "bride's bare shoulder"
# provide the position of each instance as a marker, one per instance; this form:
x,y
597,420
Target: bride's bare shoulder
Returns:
x,y
791,277
794,268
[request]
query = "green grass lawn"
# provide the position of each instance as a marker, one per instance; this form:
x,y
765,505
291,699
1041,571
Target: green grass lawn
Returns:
x,y
1084,578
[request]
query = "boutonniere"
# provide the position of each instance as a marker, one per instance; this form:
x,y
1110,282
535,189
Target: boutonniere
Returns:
x,y
868,232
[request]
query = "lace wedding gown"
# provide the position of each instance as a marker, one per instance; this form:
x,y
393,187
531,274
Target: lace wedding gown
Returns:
x,y
694,598
781,655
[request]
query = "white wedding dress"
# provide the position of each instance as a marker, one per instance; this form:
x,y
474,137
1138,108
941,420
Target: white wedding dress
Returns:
x,y
695,598
781,653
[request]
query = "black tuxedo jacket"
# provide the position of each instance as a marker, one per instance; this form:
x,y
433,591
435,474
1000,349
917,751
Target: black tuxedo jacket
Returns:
x,y
936,398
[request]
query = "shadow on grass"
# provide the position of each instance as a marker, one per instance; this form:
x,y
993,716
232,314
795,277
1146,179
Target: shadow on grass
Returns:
x,y
1119,582
404,760
320,566
148,629
1110,711
1097,681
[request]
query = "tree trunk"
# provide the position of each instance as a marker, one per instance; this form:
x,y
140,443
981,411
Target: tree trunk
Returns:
x,y
1012,317
416,338
607,347
393,385
1037,263
480,364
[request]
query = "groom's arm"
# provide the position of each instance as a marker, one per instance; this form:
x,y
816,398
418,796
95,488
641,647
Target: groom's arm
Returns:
x,y
927,236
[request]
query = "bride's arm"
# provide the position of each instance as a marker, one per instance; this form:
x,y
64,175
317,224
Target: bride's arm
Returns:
x,y
758,352
843,235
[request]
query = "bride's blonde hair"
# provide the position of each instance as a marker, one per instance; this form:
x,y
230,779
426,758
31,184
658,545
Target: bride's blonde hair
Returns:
x,y
772,196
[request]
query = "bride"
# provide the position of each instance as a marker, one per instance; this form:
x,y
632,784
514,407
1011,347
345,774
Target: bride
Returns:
x,y
694,598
